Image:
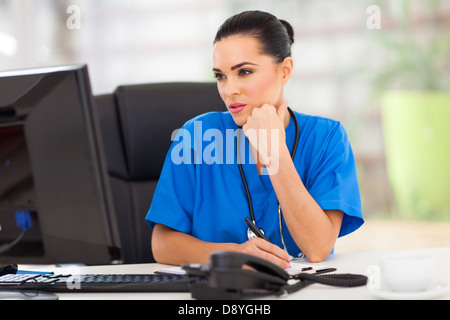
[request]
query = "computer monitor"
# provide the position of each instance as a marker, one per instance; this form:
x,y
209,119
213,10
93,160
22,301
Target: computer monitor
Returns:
x,y
52,168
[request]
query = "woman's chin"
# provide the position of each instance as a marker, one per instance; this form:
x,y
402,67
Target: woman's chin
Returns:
x,y
239,118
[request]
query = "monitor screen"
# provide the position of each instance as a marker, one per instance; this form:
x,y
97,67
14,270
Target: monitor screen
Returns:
x,y
52,168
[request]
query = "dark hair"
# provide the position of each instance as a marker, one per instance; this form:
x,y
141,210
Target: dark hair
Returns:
x,y
275,36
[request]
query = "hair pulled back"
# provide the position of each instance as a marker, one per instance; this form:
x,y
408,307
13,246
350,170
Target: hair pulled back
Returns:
x,y
275,36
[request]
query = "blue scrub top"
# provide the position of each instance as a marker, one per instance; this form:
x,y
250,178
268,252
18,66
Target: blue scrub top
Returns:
x,y
200,191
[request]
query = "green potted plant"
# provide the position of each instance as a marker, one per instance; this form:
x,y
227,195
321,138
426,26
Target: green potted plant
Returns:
x,y
413,84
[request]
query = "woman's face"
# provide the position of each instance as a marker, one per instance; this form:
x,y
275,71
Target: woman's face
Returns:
x,y
246,78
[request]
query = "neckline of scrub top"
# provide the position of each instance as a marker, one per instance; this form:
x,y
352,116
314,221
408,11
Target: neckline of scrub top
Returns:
x,y
260,186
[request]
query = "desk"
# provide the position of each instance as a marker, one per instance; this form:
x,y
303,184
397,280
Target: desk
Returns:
x,y
358,263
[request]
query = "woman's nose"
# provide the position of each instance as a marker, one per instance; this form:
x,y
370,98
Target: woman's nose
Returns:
x,y
231,88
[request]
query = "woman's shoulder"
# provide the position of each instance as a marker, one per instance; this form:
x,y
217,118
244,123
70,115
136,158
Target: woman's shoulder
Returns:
x,y
316,120
319,124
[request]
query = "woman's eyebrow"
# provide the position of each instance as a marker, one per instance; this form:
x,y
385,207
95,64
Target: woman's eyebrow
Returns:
x,y
237,66
242,64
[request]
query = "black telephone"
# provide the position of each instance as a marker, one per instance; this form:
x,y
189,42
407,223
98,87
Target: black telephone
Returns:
x,y
227,277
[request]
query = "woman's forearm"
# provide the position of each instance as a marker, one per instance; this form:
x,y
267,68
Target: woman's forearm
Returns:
x,y
173,247
313,229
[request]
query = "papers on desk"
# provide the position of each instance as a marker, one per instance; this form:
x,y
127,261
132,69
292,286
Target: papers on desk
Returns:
x,y
297,266
171,270
302,265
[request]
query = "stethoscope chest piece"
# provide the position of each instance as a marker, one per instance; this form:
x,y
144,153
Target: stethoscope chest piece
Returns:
x,y
251,234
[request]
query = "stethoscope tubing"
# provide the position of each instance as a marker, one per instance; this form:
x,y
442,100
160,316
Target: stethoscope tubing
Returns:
x,y
244,180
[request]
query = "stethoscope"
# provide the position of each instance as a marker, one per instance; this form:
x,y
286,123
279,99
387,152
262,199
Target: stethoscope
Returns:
x,y
253,231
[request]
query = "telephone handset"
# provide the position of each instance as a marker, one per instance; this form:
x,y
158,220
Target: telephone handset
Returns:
x,y
237,261
230,275
227,277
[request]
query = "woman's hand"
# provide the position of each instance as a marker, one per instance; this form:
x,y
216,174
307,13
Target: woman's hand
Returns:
x,y
174,247
266,250
266,132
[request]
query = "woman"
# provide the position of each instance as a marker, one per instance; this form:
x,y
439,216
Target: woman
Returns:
x,y
199,206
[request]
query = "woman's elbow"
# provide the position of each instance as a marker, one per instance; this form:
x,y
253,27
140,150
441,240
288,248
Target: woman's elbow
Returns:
x,y
315,258
157,253
318,255
158,245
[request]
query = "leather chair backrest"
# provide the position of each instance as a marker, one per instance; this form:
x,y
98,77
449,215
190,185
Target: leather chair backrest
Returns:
x,y
137,122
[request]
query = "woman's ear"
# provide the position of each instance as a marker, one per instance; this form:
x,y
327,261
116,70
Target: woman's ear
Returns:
x,y
286,68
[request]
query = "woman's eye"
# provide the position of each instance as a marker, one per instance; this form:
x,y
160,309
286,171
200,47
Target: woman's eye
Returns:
x,y
219,76
245,72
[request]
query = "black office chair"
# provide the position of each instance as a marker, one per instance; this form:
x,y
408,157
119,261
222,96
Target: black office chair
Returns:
x,y
137,122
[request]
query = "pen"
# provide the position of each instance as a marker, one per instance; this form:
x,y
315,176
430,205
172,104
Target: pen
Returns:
x,y
259,233
326,270
255,229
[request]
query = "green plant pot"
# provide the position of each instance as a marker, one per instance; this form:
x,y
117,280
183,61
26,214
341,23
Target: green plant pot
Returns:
x,y
416,129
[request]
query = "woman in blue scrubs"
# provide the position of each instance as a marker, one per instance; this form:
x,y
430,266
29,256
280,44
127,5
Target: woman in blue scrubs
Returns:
x,y
200,203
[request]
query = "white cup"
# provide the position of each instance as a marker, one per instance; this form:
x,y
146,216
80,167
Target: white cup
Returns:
x,y
408,272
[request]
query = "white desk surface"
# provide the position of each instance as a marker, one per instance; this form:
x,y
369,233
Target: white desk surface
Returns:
x,y
359,263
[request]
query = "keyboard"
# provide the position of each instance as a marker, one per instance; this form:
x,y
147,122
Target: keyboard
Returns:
x,y
96,282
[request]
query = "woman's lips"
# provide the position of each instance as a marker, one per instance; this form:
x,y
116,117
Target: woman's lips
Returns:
x,y
236,107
